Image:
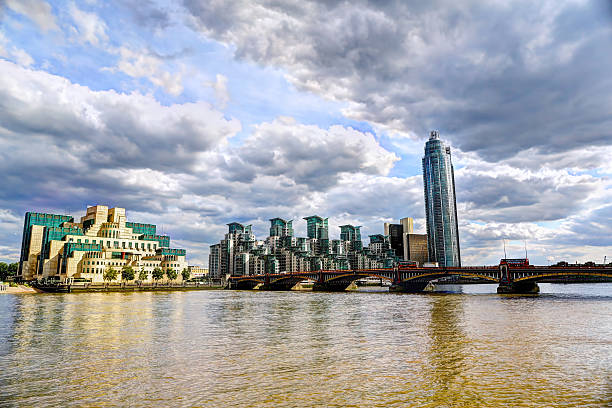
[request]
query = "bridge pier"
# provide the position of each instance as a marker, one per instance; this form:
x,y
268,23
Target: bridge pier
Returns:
x,y
408,287
330,286
518,287
282,285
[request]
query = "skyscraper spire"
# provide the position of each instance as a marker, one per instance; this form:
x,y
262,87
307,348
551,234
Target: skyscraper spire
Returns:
x,y
440,203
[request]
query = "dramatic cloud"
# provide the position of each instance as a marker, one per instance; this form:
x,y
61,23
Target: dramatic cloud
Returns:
x,y
496,77
111,130
307,154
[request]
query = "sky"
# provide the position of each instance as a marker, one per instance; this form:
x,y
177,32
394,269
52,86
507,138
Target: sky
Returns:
x,y
193,114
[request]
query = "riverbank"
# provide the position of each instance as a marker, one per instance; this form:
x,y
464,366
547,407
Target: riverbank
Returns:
x,y
123,287
20,289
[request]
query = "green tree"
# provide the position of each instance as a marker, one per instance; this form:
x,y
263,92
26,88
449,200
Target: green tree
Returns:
x,y
12,269
127,273
110,274
157,274
143,275
4,269
171,274
185,274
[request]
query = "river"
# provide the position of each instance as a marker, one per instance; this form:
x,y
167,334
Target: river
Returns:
x,y
300,349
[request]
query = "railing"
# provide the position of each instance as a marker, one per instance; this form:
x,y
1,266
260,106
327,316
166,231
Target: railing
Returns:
x,y
3,287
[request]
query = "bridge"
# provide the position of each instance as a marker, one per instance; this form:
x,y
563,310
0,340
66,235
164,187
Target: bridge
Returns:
x,y
510,278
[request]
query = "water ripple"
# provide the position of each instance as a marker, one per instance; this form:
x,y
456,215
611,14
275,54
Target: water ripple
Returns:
x,y
269,349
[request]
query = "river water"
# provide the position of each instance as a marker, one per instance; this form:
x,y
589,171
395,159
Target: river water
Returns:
x,y
299,349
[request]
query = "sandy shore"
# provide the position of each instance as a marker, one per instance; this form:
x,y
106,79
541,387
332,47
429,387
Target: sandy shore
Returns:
x,y
19,289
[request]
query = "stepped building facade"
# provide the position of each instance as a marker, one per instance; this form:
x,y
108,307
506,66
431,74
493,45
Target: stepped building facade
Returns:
x,y
55,247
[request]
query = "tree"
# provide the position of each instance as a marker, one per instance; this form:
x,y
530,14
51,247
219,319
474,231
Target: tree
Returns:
x,y
127,273
110,274
143,275
185,274
12,269
171,274
157,273
3,271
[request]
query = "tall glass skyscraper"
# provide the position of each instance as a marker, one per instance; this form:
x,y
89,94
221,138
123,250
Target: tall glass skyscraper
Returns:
x,y
440,203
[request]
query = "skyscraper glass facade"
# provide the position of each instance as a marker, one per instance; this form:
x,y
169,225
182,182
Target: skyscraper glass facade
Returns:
x,y
440,203
281,228
317,227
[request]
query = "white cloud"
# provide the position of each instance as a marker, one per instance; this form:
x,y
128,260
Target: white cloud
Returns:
x,y
90,27
22,57
141,64
16,54
307,154
38,11
222,95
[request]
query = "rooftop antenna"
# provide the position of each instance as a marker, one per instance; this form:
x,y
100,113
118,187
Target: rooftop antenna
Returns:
x,y
505,256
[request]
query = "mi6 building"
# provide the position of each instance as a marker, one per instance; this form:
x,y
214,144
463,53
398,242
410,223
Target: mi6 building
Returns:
x,y
55,247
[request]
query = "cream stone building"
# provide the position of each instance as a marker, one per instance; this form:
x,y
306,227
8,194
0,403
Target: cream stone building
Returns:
x,y
55,247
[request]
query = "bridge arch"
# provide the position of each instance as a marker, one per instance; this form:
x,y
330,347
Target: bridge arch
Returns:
x,y
357,276
543,276
435,275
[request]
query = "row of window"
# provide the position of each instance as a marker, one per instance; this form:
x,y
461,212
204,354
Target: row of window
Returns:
x,y
136,245
120,264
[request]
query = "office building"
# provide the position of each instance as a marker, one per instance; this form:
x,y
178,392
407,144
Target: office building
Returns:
x,y
55,247
415,248
440,203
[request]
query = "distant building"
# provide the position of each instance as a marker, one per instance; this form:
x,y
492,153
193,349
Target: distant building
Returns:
x,y
415,248
57,248
281,228
440,203
398,237
214,262
240,254
317,227
352,235
197,272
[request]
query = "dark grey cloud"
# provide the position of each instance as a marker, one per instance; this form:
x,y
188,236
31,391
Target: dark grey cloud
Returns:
x,y
146,13
496,78
531,198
